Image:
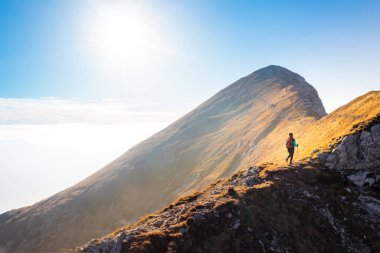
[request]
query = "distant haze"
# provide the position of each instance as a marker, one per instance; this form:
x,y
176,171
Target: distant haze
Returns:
x,y
40,154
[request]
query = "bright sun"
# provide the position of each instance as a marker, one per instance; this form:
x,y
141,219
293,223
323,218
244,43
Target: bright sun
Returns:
x,y
124,37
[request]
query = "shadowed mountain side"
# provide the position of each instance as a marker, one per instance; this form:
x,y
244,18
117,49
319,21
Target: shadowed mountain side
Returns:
x,y
245,123
285,211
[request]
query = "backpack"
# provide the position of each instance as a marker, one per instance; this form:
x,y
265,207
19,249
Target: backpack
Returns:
x,y
289,143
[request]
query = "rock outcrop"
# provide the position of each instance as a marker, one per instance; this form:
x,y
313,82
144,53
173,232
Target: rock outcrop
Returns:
x,y
357,157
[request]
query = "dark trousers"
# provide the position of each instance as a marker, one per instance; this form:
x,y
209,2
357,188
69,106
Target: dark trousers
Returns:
x,y
291,153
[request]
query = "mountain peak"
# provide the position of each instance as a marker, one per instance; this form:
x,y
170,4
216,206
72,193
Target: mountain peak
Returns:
x,y
273,68
278,86
274,71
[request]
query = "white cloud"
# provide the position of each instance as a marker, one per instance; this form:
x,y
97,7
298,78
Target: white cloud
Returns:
x,y
51,110
37,161
49,144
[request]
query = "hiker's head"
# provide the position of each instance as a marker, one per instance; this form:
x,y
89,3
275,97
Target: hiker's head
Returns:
x,y
291,134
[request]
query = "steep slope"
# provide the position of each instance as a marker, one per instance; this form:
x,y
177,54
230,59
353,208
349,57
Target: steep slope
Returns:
x,y
317,206
221,135
322,133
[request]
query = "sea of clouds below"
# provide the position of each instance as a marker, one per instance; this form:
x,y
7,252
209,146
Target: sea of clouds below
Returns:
x,y
49,144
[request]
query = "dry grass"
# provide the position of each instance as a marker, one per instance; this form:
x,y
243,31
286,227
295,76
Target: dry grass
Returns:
x,y
225,204
157,233
263,185
187,198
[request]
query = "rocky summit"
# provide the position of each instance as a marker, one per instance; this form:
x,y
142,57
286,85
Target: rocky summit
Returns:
x,y
244,125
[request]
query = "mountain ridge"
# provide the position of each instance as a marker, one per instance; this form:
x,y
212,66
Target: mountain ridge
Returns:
x,y
233,129
274,208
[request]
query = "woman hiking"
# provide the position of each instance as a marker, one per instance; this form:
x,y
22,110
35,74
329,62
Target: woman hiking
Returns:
x,y
290,144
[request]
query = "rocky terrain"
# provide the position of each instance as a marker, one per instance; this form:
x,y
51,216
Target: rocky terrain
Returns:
x,y
243,125
329,204
357,156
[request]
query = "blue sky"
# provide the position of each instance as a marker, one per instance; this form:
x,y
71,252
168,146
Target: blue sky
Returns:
x,y
63,85
333,44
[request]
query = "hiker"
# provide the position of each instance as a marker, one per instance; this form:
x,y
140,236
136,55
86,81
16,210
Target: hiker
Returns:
x,y
290,144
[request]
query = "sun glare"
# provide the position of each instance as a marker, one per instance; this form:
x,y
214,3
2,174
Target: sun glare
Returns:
x,y
124,37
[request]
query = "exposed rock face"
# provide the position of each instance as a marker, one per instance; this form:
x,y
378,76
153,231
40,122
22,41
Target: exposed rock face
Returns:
x,y
357,157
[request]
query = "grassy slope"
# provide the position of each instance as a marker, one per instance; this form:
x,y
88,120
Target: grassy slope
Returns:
x,y
322,133
283,209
